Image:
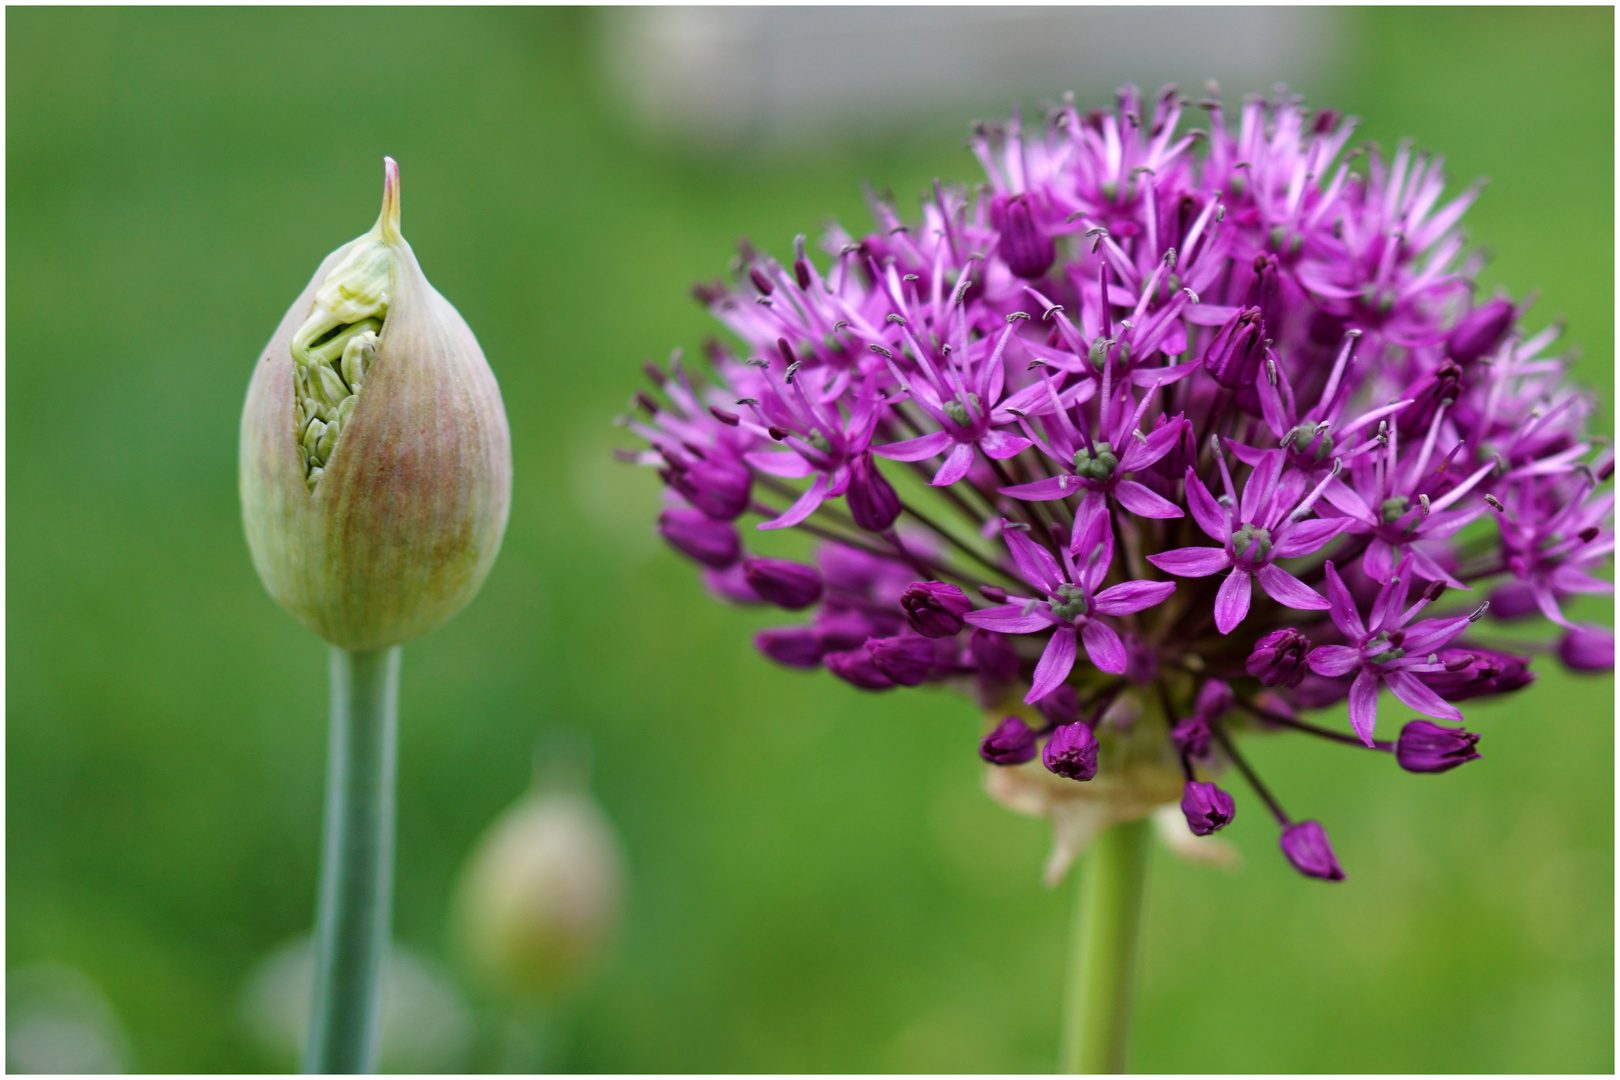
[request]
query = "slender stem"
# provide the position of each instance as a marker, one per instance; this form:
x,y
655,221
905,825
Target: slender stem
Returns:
x,y
357,863
1102,968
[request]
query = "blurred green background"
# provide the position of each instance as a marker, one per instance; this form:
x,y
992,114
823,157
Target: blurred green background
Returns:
x,y
817,881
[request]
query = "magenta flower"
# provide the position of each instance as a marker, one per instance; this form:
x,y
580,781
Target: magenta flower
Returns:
x,y
1136,351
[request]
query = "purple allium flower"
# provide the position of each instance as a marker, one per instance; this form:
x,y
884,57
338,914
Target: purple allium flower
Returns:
x,y
1426,747
1200,424
1206,807
1305,844
1012,743
1071,752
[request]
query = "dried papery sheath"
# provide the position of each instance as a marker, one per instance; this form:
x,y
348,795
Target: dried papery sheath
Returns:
x,y
375,463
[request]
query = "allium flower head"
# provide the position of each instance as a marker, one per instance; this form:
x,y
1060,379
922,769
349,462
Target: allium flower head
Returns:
x,y
1158,434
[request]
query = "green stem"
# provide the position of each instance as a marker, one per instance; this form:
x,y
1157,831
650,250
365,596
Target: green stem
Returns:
x,y
357,863
1102,973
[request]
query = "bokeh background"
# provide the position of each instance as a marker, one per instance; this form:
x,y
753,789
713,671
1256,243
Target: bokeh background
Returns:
x,y
816,880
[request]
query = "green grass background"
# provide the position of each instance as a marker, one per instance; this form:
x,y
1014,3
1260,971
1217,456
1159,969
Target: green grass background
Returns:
x,y
818,882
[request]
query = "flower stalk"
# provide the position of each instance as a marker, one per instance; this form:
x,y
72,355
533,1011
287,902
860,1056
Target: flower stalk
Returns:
x,y
1102,971
357,863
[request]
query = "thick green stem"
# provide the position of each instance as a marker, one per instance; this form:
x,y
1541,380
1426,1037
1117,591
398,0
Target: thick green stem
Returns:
x,y
357,863
1102,964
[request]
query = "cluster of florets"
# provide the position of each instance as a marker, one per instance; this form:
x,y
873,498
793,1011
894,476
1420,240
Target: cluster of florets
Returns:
x,y
1210,418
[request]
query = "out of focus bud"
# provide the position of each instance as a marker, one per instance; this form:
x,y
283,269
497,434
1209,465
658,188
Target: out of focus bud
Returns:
x,y
375,465
1071,752
1192,737
541,895
1278,658
1587,648
855,667
1474,672
1238,349
1206,807
786,584
872,500
699,536
1480,331
934,609
906,660
1012,743
795,646
1305,843
1061,706
1025,247
994,655
1427,747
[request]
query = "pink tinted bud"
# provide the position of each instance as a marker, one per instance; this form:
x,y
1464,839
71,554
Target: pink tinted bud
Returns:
x,y
1012,743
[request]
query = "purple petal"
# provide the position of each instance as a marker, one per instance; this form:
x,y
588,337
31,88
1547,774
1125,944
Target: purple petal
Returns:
x,y
1409,691
919,449
1364,705
1308,536
1262,486
1010,619
1142,502
956,466
803,507
1056,663
1107,652
1342,607
1289,591
1191,562
1057,487
1205,510
1034,562
1378,561
1232,602
1131,596
1334,660
1002,445
784,463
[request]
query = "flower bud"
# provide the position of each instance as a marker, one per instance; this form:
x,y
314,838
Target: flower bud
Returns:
x,y
1025,247
716,485
786,584
844,630
871,498
699,536
994,655
1513,600
1587,648
1234,356
375,465
1191,737
1263,289
1206,807
794,646
1071,752
907,660
731,585
1061,706
1141,662
1306,846
1278,658
855,667
1475,672
1427,747
934,609
1012,743
1215,699
1480,331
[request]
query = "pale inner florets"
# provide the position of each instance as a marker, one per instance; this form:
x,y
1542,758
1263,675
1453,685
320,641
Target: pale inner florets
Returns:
x,y
335,349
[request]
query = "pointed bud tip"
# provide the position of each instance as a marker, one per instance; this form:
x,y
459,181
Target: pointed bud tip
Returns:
x,y
388,220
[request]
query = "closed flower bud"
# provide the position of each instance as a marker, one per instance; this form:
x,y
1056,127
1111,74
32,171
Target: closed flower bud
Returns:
x,y
1215,699
1012,743
1141,662
786,584
1474,672
935,609
1480,331
1071,752
1191,737
1278,658
855,667
994,655
1306,846
1025,247
872,500
1427,747
795,646
700,537
375,465
1061,706
730,584
1206,807
1237,351
907,660
717,486
1587,648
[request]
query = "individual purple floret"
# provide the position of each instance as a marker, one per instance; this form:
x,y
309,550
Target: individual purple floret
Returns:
x,y
1176,430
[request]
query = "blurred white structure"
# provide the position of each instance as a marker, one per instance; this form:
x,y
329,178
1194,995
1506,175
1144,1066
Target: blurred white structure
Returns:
x,y
781,75
59,1021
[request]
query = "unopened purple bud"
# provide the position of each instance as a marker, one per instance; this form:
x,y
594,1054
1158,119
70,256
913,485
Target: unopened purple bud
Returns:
x,y
699,536
1587,648
1141,662
1206,807
730,584
994,655
855,667
907,660
935,609
718,487
1305,843
872,501
1215,699
786,584
1513,600
1480,331
1263,289
1061,706
1475,672
795,646
1025,247
1234,356
1427,747
1191,737
1012,743
849,568
1279,658
1071,752
841,631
